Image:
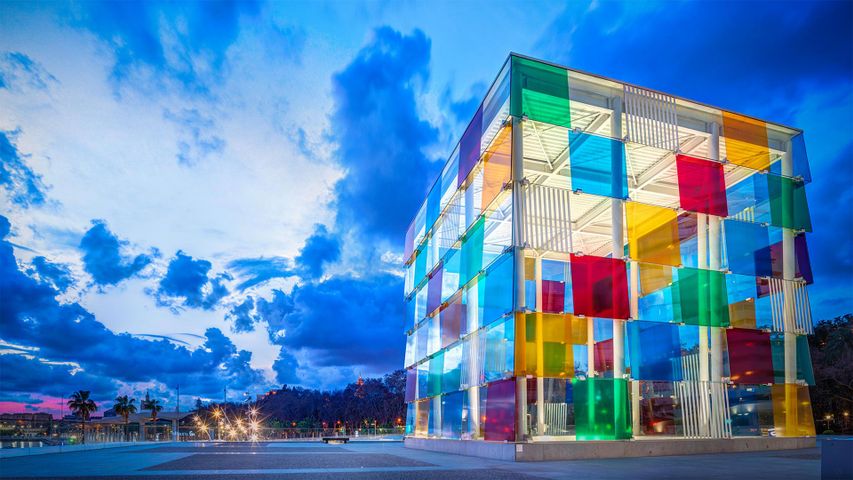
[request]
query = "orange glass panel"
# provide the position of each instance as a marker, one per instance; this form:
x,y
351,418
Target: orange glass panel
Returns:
x,y
653,234
496,166
746,141
792,410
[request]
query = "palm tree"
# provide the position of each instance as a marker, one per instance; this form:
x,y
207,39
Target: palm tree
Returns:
x,y
124,406
82,406
151,404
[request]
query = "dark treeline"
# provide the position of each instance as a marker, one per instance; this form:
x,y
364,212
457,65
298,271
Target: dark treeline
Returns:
x,y
831,349
360,404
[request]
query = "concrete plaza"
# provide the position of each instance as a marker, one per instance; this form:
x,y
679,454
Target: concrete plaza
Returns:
x,y
384,460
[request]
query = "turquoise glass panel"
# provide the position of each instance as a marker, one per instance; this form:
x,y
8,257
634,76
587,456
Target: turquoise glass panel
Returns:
x,y
497,289
436,369
472,252
597,165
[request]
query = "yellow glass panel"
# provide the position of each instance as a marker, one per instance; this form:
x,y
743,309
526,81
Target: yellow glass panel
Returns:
x,y
746,141
496,166
653,234
792,410
742,314
543,345
422,418
529,268
654,278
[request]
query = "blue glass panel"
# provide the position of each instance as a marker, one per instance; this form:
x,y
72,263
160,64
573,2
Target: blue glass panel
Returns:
x,y
750,198
748,248
654,351
433,205
423,379
800,160
498,358
410,418
598,165
497,290
450,381
451,415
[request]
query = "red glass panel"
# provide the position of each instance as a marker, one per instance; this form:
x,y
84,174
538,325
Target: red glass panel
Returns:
x,y
701,186
603,354
750,356
599,287
553,296
500,411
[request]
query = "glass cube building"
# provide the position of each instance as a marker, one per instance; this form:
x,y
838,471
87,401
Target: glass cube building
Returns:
x,y
599,261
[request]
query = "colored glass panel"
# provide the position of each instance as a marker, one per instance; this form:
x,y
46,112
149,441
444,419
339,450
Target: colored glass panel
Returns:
x,y
801,257
746,141
599,287
472,252
496,288
433,205
603,356
701,186
422,416
701,297
500,411
452,318
411,384
660,413
653,234
799,160
451,415
792,410
654,351
498,351
553,296
436,369
750,356
742,314
750,409
496,167
803,360
409,246
654,278
434,290
452,375
544,343
788,205
747,248
540,91
597,165
602,409
469,147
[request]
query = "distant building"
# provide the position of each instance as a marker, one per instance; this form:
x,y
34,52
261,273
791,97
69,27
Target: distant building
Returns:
x,y
26,424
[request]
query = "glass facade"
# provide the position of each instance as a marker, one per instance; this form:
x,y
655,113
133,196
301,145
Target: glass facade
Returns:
x,y
598,261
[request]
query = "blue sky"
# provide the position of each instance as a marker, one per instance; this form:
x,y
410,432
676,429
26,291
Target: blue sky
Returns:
x,y
216,194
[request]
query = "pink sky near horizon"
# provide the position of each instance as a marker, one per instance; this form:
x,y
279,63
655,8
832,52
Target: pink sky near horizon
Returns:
x,y
53,405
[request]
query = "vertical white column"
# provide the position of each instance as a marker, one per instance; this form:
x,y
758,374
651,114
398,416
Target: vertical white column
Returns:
x,y
704,377
618,242
788,273
540,354
518,252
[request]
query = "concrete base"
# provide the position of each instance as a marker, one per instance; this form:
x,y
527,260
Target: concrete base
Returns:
x,y
545,451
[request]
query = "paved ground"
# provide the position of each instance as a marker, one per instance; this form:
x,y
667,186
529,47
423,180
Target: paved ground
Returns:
x,y
385,460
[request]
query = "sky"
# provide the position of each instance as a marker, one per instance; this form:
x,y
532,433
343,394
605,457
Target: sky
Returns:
x,y
215,195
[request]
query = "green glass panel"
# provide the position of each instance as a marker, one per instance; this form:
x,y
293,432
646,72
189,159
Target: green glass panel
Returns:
x,y
602,409
804,361
472,252
788,205
702,298
540,91
436,369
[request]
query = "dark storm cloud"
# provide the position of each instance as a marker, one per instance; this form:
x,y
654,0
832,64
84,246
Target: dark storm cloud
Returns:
x,y
103,258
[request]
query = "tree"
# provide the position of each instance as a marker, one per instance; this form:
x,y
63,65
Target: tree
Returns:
x,y
198,405
124,406
831,349
82,406
151,404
